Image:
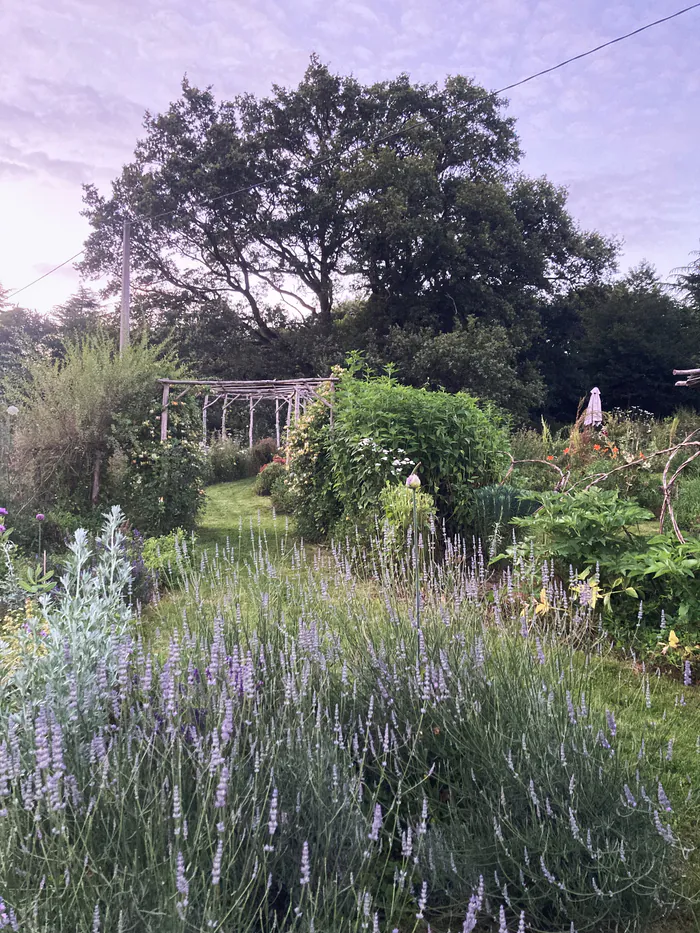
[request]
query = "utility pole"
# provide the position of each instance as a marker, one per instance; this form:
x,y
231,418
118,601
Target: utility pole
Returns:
x,y
124,320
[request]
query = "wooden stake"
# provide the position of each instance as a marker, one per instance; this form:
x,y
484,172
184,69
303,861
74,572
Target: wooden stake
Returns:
x,y
96,478
164,413
126,287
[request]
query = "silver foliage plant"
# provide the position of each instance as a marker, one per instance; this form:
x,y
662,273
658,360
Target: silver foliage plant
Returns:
x,y
70,647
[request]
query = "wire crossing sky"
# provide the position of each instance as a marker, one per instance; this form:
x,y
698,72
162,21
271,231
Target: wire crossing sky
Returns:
x,y
617,125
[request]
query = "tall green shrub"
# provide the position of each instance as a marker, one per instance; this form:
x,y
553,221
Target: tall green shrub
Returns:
x,y
88,435
381,429
460,443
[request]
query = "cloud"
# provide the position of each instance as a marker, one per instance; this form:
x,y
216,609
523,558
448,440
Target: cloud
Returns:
x,y
617,128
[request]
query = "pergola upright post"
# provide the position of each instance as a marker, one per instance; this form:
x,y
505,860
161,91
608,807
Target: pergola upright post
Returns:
x,y
250,422
223,418
204,420
164,413
277,422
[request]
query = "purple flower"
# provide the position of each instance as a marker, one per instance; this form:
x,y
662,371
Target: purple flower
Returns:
x,y
687,675
612,725
2,528
376,824
40,516
413,482
663,799
3,511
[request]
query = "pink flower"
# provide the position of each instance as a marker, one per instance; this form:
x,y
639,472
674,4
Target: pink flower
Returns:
x,y
40,516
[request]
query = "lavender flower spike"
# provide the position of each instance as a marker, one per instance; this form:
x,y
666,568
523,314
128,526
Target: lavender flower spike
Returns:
x,y
305,865
376,824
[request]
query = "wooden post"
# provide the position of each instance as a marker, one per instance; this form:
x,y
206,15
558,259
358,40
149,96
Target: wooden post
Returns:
x,y
164,413
332,398
126,287
223,418
296,404
277,422
95,495
250,422
204,419
289,413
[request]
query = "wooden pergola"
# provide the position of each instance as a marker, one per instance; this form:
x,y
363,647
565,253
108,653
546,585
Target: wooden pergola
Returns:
x,y
294,393
692,377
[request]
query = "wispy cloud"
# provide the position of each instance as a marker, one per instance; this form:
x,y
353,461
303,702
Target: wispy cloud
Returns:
x,y
618,129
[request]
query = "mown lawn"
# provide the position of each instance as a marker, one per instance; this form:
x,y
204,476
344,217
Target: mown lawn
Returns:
x,y
232,511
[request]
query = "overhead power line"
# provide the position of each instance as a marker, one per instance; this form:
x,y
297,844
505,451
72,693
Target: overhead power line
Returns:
x,y
45,275
408,125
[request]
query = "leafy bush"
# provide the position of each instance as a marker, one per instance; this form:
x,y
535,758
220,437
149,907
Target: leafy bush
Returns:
x,y
259,454
268,476
380,430
397,504
496,506
162,488
638,580
583,528
282,497
168,557
687,503
225,459
69,646
317,508
89,434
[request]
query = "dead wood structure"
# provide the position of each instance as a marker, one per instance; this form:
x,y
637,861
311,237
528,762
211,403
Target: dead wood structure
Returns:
x,y
692,377
295,394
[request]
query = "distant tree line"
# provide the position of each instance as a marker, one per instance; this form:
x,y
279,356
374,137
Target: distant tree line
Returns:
x,y
271,236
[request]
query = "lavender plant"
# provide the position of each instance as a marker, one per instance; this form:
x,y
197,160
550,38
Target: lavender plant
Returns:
x,y
294,752
70,645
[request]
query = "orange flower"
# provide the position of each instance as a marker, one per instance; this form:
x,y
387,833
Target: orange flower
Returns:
x,y
550,457
596,447
615,450
641,456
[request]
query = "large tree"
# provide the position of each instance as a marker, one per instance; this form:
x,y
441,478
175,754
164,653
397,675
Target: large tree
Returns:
x,y
405,193
22,341
628,340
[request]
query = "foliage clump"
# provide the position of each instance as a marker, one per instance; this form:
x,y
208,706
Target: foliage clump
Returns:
x,y
380,430
88,434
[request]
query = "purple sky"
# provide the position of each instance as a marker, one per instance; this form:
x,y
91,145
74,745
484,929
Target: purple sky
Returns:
x,y
620,129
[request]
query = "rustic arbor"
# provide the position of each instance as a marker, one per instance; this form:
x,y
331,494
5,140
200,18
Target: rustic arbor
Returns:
x,y
295,394
692,377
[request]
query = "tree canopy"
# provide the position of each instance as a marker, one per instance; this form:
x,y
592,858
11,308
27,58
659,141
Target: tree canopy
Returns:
x,y
273,234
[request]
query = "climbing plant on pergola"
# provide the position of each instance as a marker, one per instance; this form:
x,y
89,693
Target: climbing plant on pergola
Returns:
x,y
292,394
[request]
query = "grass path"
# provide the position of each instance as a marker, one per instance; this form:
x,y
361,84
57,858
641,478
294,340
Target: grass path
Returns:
x,y
231,507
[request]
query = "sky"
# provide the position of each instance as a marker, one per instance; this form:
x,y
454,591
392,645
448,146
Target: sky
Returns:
x,y
620,130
